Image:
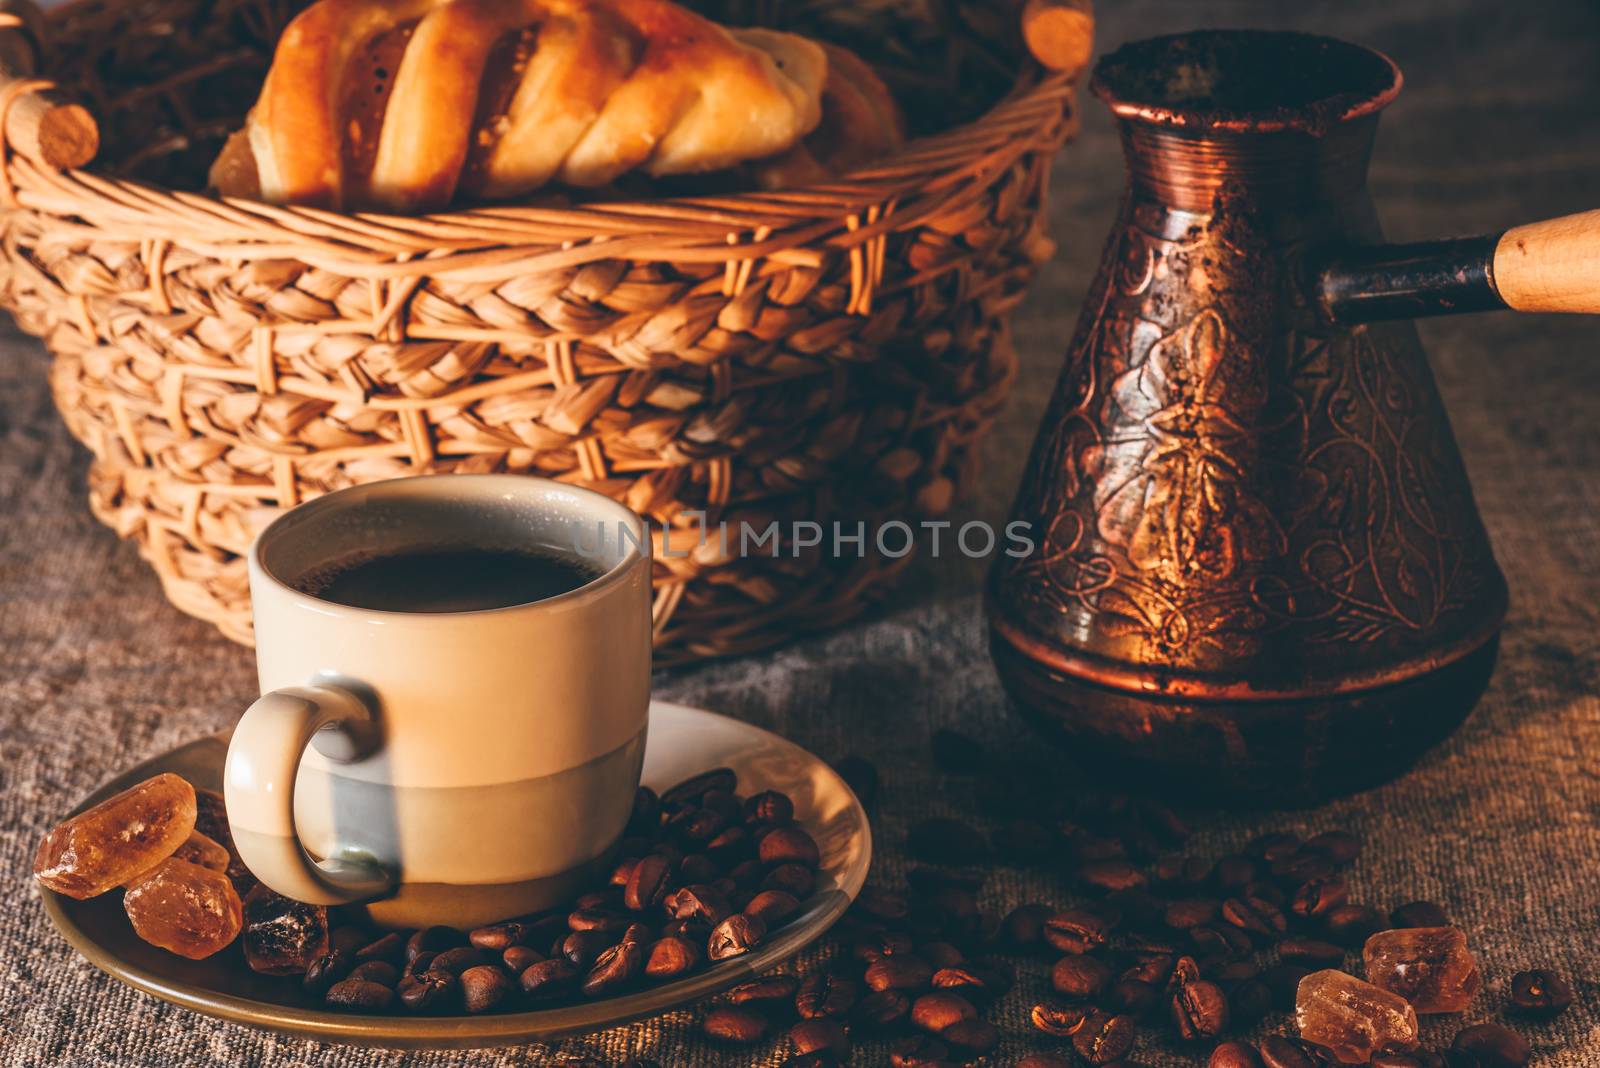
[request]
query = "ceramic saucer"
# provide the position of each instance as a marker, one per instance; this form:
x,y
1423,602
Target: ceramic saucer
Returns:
x,y
682,742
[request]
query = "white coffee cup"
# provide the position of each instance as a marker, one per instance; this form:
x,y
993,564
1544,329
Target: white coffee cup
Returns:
x,y
443,768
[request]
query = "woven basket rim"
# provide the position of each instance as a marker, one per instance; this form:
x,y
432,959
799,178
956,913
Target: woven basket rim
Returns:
x,y
490,240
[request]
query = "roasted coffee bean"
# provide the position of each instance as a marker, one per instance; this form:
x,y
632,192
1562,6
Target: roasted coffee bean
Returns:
x,y
735,1023
391,947
1081,929
432,940
1493,1045
955,752
583,948
608,899
359,994
793,879
697,869
326,970
918,1051
459,959
1152,968
1254,914
1234,873
1103,1038
1191,912
646,816
376,971
614,969
1540,992
1234,1055
1283,980
519,958
747,875
882,904
723,804
1249,1002
1044,1060
670,957
1352,925
823,993
551,978
597,919
648,883
1220,938
1058,1021
975,982
1318,897
496,937
769,807
819,1036
1199,1010
1301,868
1182,872
788,845
1108,875
881,1009
1023,927
428,991
735,936
1409,1060
1132,997
694,827
1226,971
1341,847
902,971
861,776
869,948
1184,972
695,787
1311,951
971,1038
952,906
1278,1051
947,841
698,902
938,1010
940,955
771,991
484,988
1272,846
348,939
1420,914
1082,977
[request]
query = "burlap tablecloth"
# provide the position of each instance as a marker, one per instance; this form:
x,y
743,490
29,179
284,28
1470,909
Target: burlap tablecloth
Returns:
x,y
1499,124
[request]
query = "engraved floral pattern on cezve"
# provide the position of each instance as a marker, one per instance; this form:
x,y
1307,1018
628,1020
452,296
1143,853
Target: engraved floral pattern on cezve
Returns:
x,y
1166,436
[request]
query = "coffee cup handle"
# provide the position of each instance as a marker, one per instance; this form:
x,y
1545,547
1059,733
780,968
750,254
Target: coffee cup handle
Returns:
x,y
258,787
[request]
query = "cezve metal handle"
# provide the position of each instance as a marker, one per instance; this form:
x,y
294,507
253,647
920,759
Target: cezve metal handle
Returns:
x,y
1549,266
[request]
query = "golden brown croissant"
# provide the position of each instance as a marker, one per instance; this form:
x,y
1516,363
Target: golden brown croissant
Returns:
x,y
406,104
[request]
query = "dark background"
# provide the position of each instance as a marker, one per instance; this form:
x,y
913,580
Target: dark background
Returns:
x,y
1499,124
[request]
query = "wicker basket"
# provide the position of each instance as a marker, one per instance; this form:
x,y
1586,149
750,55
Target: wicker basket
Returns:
x,y
828,353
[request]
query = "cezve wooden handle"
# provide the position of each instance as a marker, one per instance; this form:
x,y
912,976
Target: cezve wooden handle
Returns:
x,y
1551,266
41,123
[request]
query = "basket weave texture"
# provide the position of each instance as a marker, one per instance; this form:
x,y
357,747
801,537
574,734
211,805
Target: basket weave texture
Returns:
x,y
832,353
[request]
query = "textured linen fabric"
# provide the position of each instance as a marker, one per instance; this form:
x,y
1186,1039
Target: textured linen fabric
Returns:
x,y
1501,824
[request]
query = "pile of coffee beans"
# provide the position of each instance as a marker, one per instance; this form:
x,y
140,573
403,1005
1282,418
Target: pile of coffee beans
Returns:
x,y
1151,941
705,875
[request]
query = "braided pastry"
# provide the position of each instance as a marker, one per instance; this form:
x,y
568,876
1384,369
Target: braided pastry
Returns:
x,y
404,105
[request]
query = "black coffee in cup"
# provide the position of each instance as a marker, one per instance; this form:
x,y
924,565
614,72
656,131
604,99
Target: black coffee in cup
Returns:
x,y
447,579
